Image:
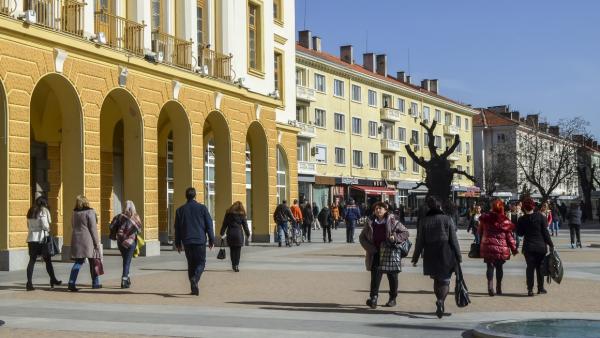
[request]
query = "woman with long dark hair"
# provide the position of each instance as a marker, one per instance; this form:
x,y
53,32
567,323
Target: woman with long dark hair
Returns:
x,y
38,226
235,229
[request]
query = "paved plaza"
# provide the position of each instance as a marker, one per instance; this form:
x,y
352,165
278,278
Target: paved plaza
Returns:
x,y
316,289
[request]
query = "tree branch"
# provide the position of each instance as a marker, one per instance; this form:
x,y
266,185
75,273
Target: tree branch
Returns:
x,y
452,148
420,184
463,173
421,161
431,138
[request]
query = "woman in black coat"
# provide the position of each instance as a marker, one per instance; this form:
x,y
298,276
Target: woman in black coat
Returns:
x,y
307,221
533,227
326,220
437,241
235,229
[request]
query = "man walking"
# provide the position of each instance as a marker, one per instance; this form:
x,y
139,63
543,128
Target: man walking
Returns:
x,y
351,215
281,216
192,224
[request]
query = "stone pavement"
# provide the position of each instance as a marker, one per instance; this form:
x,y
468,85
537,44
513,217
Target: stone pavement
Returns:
x,y
316,289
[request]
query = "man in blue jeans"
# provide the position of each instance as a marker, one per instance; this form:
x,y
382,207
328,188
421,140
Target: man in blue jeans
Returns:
x,y
351,215
192,225
281,216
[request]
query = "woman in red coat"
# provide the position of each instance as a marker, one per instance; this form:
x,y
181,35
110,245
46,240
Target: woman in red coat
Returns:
x,y
497,242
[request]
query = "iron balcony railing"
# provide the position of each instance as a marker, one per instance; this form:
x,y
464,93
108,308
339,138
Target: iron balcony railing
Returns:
x,y
120,33
217,65
6,7
61,15
175,51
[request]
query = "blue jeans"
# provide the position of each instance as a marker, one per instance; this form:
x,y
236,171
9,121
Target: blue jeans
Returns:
x,y
127,254
350,225
282,231
476,235
196,260
554,226
75,272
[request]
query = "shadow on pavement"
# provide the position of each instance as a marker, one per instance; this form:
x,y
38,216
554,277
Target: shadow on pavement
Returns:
x,y
415,292
119,291
415,327
484,294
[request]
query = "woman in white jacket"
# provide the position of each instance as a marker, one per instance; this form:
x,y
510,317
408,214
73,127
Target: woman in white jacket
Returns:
x,y
38,224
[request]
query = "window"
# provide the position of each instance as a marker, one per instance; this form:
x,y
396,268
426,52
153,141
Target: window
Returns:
x,y
414,139
357,158
372,129
320,118
372,98
302,151
321,154
209,175
438,142
466,123
459,147
339,122
415,167
277,11
254,37
155,15
402,163
457,121
281,176
400,104
425,139
426,113
338,88
301,77
373,160
320,83
388,162
438,116
414,109
301,115
459,167
467,148
340,156
468,170
200,24
401,134
356,94
501,138
386,100
356,125
248,182
388,131
278,73
447,119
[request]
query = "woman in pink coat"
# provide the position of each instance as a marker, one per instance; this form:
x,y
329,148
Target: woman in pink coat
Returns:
x,y
497,242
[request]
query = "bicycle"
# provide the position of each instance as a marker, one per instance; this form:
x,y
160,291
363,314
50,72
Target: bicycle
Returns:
x,y
294,233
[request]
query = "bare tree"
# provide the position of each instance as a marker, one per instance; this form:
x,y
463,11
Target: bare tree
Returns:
x,y
588,174
498,172
439,172
546,160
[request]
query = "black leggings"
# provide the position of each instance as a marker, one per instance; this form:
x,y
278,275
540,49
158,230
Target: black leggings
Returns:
x,y
49,267
235,253
498,264
534,262
326,231
376,276
575,231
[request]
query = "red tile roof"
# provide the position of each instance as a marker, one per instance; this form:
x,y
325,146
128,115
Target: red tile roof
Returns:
x,y
390,79
489,118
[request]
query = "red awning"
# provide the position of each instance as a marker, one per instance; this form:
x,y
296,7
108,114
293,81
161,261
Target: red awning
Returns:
x,y
374,190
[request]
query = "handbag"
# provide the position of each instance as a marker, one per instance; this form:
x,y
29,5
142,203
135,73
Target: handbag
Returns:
x,y
96,261
51,245
222,253
461,293
475,251
405,248
390,257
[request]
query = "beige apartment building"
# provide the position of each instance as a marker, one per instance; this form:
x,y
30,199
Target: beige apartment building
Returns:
x,y
355,121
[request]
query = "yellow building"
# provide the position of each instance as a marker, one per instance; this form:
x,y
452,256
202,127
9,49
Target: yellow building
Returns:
x,y
355,121
139,100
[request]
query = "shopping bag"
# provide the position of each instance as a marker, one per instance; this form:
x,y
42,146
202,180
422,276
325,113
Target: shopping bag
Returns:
x,y
97,263
222,253
474,252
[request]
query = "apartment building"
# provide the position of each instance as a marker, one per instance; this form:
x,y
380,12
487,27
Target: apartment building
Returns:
x,y
138,100
355,121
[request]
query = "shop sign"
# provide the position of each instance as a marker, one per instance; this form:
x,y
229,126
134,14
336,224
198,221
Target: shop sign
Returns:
x,y
349,180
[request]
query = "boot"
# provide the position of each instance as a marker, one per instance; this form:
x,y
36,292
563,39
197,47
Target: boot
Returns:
x,y
498,288
54,281
439,308
491,288
579,245
29,286
391,302
372,302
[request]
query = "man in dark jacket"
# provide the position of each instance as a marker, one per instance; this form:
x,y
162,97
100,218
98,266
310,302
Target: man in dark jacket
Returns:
x,y
307,221
351,215
315,212
326,221
282,216
192,224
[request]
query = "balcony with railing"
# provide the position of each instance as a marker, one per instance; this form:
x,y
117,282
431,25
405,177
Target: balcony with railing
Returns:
x,y
307,168
7,7
390,114
174,51
451,130
61,15
305,93
453,157
391,175
120,33
306,130
214,64
391,145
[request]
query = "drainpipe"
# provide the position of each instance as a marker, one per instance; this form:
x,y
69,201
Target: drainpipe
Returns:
x,y
350,131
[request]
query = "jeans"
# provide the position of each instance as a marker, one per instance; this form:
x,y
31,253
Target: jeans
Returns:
x,y
316,224
575,231
350,225
477,239
554,226
75,271
127,255
327,231
376,276
534,263
282,231
196,260
235,252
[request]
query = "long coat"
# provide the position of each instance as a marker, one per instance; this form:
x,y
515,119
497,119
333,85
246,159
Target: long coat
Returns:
x,y
236,227
437,241
393,226
497,240
85,233
535,235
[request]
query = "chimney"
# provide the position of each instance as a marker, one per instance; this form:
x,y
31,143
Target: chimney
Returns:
x,y
515,115
543,126
425,84
554,130
382,64
369,61
408,79
508,115
499,109
434,86
347,54
532,119
401,76
316,43
305,39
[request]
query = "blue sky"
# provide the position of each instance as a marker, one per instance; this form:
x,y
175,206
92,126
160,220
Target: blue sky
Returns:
x,y
538,56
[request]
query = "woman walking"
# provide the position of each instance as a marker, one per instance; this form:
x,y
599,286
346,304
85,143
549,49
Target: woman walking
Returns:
x,y
84,241
474,223
326,221
124,228
382,232
235,229
574,218
437,241
532,226
497,242
307,221
335,214
38,226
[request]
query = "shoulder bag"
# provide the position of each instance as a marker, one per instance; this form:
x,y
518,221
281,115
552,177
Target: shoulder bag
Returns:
x,y
222,253
461,293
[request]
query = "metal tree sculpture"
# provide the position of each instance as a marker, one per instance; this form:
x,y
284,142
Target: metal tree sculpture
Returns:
x,y
439,172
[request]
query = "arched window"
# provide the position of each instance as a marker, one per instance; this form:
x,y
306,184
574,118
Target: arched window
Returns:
x,y
248,183
282,176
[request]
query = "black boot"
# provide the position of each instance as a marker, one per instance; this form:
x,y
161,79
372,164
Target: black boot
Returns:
x,y
491,288
29,286
372,302
54,282
498,288
391,302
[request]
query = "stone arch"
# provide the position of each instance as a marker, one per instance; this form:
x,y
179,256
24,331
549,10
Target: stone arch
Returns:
x,y
217,165
121,157
258,200
174,164
283,175
56,149
4,245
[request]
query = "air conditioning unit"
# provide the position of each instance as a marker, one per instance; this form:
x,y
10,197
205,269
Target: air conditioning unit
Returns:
x,y
468,158
29,16
313,151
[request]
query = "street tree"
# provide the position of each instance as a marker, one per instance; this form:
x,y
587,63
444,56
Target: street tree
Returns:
x,y
588,172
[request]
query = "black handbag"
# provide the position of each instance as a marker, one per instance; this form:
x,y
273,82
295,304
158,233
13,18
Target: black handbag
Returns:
x,y
405,248
222,253
475,251
461,293
51,245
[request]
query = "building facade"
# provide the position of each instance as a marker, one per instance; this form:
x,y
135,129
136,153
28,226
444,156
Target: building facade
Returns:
x,y
355,121
137,101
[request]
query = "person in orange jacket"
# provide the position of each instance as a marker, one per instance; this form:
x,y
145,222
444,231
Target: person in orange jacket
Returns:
x,y
335,214
297,213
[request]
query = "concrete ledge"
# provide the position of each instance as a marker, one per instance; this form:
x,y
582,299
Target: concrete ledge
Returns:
x,y
108,243
257,238
16,259
152,248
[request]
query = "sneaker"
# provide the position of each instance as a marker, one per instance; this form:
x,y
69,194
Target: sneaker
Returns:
x,y
572,245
